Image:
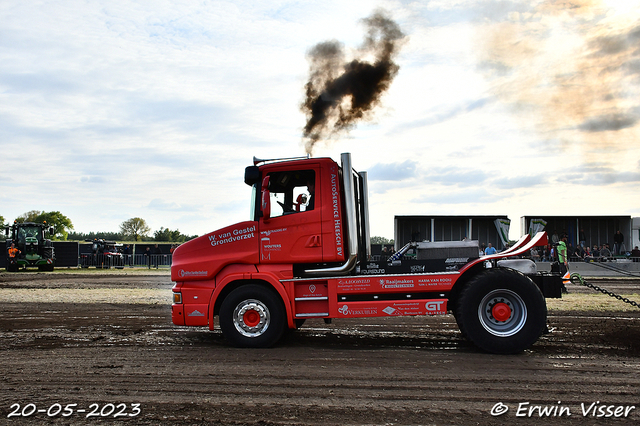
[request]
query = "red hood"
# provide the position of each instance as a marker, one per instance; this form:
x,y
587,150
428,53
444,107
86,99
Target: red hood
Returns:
x,y
203,257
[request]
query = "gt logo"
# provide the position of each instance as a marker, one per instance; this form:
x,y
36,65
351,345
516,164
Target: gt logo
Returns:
x,y
433,306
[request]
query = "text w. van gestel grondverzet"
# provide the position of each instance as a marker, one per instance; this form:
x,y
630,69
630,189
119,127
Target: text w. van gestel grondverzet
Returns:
x,y
232,236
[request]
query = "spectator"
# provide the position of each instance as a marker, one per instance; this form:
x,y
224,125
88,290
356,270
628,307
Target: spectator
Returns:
x,y
596,251
583,239
554,238
157,252
618,243
535,255
490,250
635,254
126,252
578,253
147,255
563,258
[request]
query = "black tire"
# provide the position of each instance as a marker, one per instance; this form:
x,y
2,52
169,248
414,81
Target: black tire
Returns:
x,y
252,316
501,311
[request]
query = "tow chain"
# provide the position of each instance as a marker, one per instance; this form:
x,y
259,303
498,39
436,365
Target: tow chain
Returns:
x,y
577,279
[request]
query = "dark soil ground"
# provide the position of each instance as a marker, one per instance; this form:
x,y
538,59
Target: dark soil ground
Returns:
x,y
106,343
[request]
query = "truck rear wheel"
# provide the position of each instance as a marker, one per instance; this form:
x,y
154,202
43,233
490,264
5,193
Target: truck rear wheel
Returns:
x,y
501,311
252,316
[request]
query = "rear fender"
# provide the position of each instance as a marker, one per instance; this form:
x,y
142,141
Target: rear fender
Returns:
x,y
465,276
524,245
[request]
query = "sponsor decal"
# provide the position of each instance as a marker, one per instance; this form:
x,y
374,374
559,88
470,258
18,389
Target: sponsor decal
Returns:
x,y
373,271
312,288
356,284
355,281
457,260
267,248
233,236
434,281
434,307
273,247
404,308
344,310
272,231
182,273
398,283
196,313
335,196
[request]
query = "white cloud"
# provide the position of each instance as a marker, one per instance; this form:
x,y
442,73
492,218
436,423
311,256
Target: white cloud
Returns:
x,y
111,110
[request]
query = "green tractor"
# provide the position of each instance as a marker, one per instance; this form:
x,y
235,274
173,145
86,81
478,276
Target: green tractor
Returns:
x,y
27,247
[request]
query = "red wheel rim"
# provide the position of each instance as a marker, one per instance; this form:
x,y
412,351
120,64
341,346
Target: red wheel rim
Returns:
x,y
501,311
251,318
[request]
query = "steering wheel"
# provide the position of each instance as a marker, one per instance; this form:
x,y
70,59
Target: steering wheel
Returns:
x,y
285,208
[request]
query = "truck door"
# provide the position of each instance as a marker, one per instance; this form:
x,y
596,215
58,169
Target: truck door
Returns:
x,y
290,226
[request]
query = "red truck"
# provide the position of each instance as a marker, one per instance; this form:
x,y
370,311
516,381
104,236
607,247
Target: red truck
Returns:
x,y
305,253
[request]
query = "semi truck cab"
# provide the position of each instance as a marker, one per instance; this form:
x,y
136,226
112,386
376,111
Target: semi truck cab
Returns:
x,y
305,253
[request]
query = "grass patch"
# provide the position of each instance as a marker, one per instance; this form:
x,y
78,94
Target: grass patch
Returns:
x,y
593,302
93,271
146,296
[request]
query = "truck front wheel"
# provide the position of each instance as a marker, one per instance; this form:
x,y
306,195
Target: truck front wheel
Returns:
x,y
501,311
252,316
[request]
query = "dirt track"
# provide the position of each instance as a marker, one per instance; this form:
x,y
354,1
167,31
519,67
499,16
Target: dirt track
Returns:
x,y
108,339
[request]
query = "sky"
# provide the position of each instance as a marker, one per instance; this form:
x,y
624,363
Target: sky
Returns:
x,y
117,109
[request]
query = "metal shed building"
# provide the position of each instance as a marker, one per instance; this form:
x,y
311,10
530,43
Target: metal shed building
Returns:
x,y
447,228
598,229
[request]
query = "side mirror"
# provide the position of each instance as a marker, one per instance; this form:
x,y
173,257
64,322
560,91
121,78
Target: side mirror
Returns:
x,y
266,199
251,175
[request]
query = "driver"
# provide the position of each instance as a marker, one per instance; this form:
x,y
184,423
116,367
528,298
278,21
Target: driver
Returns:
x,y
311,187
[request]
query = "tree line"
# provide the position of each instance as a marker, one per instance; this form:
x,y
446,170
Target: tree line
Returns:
x,y
134,229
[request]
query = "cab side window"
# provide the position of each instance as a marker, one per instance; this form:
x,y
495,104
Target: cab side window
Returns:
x,y
291,192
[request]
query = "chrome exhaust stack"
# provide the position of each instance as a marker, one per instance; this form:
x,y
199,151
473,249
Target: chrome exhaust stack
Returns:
x,y
350,223
364,216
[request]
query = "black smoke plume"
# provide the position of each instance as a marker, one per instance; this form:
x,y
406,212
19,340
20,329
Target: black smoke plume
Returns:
x,y
340,93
